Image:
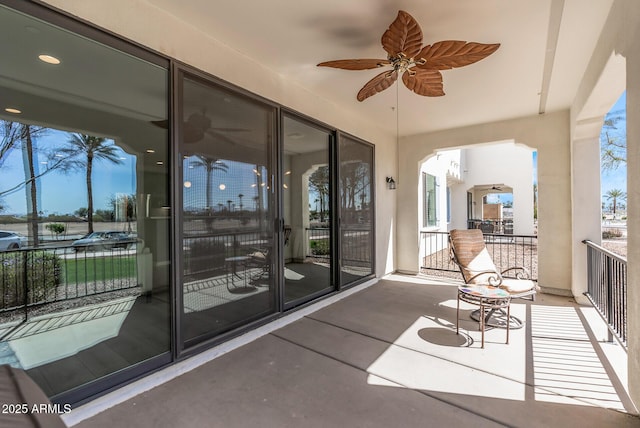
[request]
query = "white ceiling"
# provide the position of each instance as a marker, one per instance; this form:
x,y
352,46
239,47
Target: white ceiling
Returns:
x,y
290,37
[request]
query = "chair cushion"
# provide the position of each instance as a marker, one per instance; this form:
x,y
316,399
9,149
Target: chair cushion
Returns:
x,y
258,255
516,286
480,263
472,255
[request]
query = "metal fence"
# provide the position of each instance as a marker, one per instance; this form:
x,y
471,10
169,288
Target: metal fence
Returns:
x,y
506,251
607,288
36,276
205,253
355,244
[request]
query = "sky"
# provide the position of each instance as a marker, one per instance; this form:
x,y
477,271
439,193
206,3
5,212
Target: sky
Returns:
x,y
616,179
64,193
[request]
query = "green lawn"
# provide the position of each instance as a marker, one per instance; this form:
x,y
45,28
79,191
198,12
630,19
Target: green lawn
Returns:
x,y
97,269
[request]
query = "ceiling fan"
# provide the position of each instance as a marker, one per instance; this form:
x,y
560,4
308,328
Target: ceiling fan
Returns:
x,y
496,188
419,65
197,125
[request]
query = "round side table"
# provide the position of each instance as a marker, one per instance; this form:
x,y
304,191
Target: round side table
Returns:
x,y
487,297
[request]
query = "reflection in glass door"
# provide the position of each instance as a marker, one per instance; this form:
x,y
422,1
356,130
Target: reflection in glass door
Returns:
x,y
356,210
306,196
227,211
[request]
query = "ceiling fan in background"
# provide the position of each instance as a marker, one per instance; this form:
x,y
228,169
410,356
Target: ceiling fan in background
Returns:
x,y
197,126
419,66
497,188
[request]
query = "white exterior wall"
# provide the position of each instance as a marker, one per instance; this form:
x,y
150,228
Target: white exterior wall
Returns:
x,y
504,163
440,166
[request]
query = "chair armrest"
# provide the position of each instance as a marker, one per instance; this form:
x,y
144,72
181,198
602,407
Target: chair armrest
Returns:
x,y
523,274
495,279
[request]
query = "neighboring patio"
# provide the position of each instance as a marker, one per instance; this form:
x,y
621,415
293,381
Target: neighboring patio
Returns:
x,y
386,356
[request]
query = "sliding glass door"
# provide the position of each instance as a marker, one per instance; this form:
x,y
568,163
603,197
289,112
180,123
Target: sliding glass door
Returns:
x,y
227,237
307,210
356,210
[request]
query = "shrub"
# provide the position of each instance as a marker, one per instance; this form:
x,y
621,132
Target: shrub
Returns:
x,y
205,255
320,247
56,228
611,233
43,273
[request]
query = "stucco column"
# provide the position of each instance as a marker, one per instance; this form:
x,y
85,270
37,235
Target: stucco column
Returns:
x,y
633,205
585,201
408,247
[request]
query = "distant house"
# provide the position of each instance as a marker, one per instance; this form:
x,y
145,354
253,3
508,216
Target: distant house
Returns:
x,y
455,186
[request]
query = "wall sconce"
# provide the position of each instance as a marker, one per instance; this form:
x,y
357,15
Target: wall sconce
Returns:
x,y
391,183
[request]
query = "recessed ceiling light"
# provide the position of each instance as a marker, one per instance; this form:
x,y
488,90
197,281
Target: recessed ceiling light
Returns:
x,y
187,184
150,151
159,163
13,110
222,187
49,59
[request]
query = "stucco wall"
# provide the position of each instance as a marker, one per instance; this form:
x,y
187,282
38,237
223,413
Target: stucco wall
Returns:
x,y
549,134
151,27
508,164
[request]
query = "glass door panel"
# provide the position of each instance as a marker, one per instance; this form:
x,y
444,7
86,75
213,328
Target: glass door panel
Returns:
x,y
227,210
306,195
356,210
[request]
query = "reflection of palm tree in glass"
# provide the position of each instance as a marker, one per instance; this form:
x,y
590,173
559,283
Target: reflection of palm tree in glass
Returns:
x,y
210,164
240,196
82,151
319,182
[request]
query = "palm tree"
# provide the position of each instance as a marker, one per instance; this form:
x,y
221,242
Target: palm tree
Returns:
x,y
240,196
81,153
615,195
210,164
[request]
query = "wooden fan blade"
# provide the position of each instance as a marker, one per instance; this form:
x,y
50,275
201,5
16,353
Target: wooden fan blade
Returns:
x,y
164,124
378,84
221,137
215,128
355,64
449,54
424,82
403,35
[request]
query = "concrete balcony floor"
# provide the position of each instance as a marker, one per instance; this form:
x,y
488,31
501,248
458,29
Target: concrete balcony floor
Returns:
x,y
388,355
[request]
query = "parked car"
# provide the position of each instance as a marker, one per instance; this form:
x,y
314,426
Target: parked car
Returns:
x,y
11,240
104,241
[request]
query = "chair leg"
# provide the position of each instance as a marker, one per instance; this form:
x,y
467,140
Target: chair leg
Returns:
x,y
482,323
508,320
458,317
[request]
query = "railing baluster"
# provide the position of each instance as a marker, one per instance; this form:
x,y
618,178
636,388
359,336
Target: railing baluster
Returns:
x,y
607,288
506,250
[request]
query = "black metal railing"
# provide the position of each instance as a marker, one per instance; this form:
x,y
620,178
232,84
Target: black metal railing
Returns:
x,y
37,276
355,244
318,242
205,253
505,250
607,288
